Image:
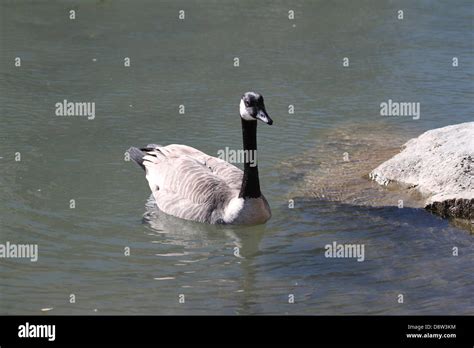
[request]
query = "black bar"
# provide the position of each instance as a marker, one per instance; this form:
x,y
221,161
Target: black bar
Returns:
x,y
289,330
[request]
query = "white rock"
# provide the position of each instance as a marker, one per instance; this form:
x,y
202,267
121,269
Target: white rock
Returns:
x,y
440,164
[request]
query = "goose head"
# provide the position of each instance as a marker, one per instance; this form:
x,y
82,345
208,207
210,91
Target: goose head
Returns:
x,y
252,108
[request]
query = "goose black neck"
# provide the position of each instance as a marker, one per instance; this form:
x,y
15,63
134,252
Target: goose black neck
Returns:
x,y
250,184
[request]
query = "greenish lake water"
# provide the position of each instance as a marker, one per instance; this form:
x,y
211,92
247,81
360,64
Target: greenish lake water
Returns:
x,y
190,62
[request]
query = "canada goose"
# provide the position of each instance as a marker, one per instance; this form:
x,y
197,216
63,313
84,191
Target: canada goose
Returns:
x,y
191,185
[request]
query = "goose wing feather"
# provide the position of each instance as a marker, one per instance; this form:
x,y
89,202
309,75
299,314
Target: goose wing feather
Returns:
x,y
190,184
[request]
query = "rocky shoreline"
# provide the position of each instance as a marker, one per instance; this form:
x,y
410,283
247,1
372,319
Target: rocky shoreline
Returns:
x,y
439,164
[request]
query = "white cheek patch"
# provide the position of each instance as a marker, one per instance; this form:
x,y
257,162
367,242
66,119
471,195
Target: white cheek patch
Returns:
x,y
244,113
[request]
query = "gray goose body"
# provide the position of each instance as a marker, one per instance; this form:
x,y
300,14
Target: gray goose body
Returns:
x,y
189,184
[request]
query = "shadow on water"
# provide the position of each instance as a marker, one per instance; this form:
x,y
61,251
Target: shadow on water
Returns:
x,y
244,242
407,250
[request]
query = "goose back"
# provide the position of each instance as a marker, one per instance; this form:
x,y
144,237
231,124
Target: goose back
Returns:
x,y
189,184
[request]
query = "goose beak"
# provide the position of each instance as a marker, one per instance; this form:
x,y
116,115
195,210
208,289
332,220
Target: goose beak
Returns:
x,y
263,116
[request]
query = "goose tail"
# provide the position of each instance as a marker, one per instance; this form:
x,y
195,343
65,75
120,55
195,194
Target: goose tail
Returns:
x,y
137,156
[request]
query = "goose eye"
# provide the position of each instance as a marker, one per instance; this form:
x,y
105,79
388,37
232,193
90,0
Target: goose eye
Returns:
x,y
247,103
